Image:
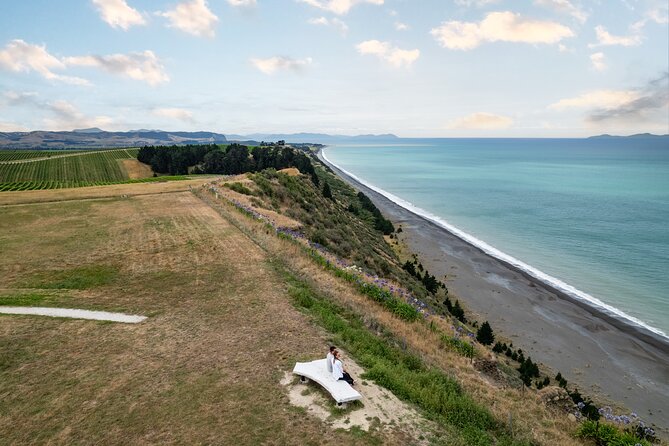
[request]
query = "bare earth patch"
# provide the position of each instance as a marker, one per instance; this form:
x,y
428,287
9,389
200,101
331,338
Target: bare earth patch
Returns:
x,y
378,407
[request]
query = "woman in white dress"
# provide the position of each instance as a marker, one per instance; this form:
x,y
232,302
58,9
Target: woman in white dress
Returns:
x,y
338,370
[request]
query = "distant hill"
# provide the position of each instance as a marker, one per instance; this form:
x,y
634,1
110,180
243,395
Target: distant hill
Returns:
x,y
321,138
96,138
638,135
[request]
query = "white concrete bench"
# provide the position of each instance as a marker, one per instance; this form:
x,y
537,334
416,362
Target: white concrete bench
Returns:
x,y
317,371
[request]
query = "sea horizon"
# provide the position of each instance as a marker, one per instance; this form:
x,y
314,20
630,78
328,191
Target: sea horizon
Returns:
x,y
355,160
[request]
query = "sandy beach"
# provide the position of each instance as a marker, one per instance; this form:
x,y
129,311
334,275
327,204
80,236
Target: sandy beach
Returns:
x,y
605,358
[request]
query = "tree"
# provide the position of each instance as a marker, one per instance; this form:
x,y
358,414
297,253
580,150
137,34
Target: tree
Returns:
x,y
409,267
327,193
458,312
449,305
485,335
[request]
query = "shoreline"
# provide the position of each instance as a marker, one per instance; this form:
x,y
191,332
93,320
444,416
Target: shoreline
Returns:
x,y
606,357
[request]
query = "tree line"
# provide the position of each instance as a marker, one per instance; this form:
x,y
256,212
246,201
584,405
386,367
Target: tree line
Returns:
x,y
227,160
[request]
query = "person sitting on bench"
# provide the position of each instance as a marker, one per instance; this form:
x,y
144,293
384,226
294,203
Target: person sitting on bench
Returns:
x,y
329,358
338,370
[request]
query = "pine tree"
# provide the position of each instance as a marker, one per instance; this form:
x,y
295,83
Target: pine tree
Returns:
x,y
327,193
485,335
458,312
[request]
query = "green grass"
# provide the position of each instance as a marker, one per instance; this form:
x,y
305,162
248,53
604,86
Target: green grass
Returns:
x,y
604,434
39,185
26,299
80,278
439,396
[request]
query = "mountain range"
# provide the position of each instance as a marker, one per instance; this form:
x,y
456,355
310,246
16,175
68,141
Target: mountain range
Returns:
x,y
96,138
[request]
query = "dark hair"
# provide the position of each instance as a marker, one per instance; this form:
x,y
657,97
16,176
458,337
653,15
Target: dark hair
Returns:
x,y
332,348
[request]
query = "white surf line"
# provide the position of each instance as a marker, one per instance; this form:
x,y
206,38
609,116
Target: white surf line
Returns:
x,y
74,313
494,252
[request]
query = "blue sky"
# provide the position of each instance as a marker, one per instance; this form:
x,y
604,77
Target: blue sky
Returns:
x,y
416,68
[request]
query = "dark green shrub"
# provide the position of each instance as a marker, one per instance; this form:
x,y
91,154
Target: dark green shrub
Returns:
x,y
484,335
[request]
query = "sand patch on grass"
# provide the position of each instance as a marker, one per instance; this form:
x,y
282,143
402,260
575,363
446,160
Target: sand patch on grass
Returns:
x,y
74,314
378,407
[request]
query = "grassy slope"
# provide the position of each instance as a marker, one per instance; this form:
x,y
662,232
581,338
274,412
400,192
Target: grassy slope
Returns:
x,y
205,368
220,288
532,420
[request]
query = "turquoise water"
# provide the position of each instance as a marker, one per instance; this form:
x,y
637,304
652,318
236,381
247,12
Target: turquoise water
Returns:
x,y
591,216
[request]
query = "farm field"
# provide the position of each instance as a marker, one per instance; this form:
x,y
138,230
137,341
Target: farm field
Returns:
x,y
205,368
65,169
15,155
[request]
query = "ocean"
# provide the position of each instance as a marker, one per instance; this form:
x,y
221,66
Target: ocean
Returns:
x,y
588,216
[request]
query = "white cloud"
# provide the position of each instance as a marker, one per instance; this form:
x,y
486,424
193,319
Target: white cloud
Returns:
x,y
14,98
193,17
659,15
385,51
566,7
276,63
67,117
339,7
118,14
399,26
334,22
647,103
11,127
477,3
481,121
598,62
242,3
604,38
179,114
597,99
499,26
20,56
144,66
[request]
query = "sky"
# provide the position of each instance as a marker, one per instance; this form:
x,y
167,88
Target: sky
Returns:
x,y
415,68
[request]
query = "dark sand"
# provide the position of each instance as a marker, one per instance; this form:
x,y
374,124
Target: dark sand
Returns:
x,y
607,359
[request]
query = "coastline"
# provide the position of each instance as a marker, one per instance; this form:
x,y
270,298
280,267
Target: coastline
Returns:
x,y
602,355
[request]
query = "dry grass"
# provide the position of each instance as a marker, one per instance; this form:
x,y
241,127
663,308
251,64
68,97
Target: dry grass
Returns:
x,y
116,190
136,169
290,171
531,418
205,367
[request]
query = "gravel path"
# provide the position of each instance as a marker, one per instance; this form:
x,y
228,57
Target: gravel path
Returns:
x,y
75,314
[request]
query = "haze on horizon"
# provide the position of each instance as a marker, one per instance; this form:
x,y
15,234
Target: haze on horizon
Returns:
x,y
428,68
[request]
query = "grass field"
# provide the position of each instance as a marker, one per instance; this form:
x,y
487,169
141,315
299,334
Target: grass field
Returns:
x,y
205,368
64,169
231,307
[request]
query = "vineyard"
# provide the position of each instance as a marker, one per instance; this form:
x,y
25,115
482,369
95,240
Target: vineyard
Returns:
x,y
64,169
15,155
